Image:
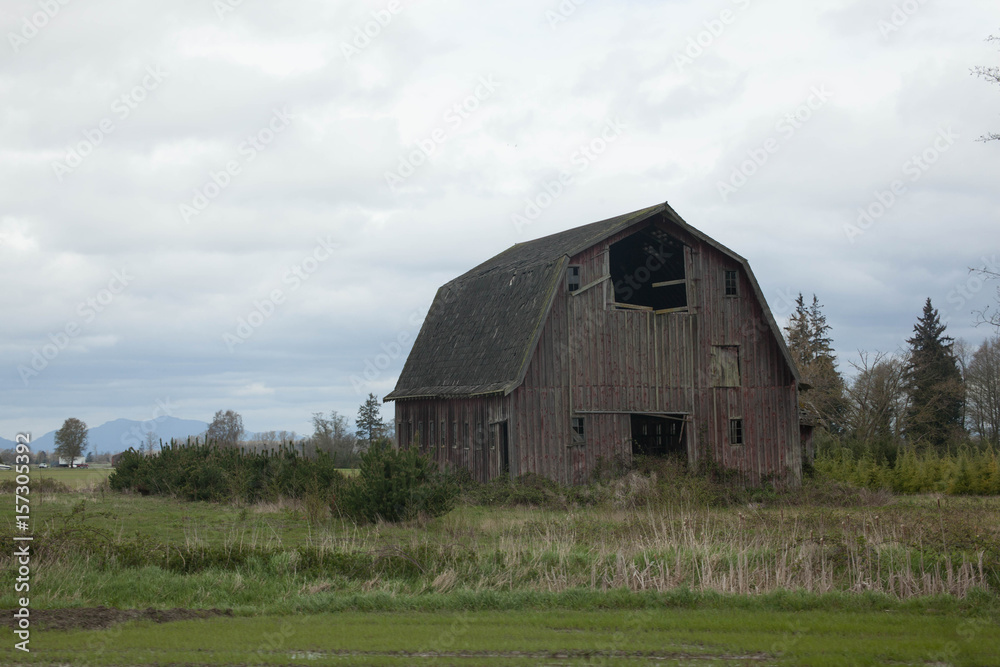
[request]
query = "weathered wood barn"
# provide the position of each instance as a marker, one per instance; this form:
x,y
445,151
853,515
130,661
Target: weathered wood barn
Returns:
x,y
633,335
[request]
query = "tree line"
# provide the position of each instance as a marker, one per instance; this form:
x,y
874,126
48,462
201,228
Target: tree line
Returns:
x,y
332,435
937,394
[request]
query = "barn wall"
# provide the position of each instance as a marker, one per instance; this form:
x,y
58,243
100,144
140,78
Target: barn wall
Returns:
x,y
472,437
766,399
606,363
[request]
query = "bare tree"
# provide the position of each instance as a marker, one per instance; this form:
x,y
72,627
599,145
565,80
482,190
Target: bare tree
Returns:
x,y
878,398
333,435
991,74
226,428
986,315
983,388
149,444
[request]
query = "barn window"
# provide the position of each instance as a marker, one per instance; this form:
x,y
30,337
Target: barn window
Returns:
x,y
647,271
573,278
725,366
732,284
579,435
735,431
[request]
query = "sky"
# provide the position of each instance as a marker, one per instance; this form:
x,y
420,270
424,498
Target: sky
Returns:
x,y
247,205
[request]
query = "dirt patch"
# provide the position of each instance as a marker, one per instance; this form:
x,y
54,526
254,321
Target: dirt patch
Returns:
x,y
96,618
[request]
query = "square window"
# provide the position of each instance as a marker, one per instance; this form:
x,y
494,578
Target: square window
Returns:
x,y
573,278
735,431
732,284
579,435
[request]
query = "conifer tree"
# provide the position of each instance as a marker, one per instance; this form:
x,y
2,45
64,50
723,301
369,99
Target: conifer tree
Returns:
x,y
371,427
934,384
811,348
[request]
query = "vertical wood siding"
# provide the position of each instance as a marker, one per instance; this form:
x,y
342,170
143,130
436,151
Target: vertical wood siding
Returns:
x,y
603,363
477,450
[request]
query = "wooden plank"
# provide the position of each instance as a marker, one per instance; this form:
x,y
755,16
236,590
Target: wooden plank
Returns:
x,y
589,285
668,283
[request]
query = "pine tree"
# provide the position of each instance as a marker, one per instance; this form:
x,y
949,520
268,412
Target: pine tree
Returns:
x,y
371,428
812,350
934,384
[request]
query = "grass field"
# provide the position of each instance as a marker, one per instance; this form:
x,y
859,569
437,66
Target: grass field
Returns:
x,y
75,478
663,636
859,579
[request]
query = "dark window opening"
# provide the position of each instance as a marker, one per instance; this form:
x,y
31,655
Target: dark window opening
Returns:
x,y
579,435
647,269
573,278
732,284
655,435
735,431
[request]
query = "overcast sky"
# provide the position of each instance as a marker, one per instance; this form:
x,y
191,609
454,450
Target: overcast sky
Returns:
x,y
230,204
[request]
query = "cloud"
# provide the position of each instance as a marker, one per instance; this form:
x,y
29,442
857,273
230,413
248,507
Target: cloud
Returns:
x,y
254,389
224,76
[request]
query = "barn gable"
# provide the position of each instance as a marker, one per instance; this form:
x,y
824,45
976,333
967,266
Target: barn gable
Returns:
x,y
481,329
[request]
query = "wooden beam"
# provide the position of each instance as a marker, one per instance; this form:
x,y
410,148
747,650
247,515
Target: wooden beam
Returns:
x,y
589,285
629,306
668,283
671,310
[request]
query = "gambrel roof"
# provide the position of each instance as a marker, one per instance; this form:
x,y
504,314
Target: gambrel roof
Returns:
x,y
482,327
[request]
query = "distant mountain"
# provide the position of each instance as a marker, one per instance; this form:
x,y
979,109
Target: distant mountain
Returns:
x,y
120,434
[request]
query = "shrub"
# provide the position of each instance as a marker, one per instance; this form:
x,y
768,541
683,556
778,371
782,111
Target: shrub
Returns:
x,y
966,471
207,472
396,484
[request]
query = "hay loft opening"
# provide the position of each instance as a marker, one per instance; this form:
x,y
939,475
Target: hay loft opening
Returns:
x,y
647,271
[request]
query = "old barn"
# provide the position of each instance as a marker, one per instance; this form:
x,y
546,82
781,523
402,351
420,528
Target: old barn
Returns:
x,y
633,335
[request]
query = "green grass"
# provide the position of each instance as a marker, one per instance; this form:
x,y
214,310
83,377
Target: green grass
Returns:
x,y
71,477
560,584
663,636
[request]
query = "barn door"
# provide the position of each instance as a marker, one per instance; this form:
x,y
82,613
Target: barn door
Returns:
x,y
479,447
498,456
504,451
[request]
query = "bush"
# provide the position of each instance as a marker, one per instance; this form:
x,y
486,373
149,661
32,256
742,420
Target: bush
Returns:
x,y
208,472
964,472
395,485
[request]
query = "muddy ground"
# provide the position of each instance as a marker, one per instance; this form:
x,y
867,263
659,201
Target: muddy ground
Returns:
x,y
96,618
